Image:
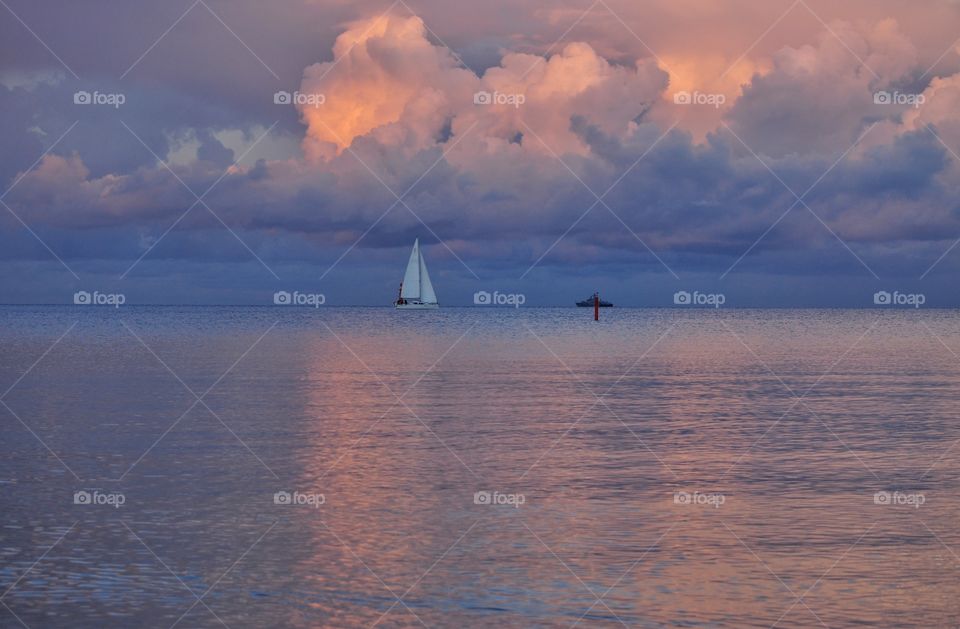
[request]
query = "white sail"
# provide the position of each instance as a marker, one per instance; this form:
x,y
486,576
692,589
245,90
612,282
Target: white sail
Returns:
x,y
417,290
411,279
427,295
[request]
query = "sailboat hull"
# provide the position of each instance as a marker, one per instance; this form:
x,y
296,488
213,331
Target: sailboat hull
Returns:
x,y
415,306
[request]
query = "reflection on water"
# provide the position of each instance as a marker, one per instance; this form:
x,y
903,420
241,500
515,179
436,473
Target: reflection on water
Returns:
x,y
678,468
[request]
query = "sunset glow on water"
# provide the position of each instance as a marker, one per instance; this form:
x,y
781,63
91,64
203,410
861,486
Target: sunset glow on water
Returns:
x,y
697,491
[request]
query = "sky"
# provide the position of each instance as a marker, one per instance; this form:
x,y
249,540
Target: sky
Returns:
x,y
781,153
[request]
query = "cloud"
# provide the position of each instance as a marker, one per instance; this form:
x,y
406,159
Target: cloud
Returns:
x,y
386,78
500,182
388,81
820,98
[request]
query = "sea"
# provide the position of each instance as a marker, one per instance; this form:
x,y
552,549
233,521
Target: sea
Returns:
x,y
478,467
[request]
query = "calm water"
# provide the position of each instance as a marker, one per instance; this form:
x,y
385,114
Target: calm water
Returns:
x,y
726,476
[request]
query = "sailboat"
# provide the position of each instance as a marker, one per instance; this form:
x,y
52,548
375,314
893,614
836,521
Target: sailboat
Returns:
x,y
416,290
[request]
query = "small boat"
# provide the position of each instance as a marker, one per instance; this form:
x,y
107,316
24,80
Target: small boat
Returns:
x,y
416,290
588,302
